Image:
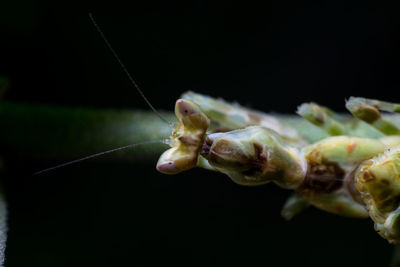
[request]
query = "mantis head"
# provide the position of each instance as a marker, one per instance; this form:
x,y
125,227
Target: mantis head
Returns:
x,y
186,140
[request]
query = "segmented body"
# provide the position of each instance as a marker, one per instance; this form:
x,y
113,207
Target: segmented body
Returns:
x,y
349,168
355,173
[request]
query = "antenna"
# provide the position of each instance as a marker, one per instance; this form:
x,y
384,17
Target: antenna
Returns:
x,y
126,71
98,154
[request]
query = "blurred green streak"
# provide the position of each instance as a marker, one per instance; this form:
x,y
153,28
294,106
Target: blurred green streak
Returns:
x,y
59,133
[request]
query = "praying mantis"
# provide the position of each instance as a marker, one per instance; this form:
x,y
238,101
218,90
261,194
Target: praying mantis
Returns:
x,y
352,171
347,173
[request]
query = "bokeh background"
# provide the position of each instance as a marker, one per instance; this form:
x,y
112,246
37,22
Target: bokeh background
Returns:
x,y
270,57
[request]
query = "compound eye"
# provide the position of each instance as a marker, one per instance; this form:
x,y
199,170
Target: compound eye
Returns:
x,y
167,167
186,108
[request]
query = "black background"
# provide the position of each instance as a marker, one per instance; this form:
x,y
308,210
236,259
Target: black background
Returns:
x,y
271,57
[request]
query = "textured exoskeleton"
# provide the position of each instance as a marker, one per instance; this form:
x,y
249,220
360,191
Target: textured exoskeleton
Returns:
x,y
354,173
378,181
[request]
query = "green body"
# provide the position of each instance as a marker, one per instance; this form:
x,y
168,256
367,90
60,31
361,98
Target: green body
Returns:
x,y
350,168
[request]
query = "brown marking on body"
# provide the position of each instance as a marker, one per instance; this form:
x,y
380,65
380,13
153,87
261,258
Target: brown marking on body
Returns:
x,y
225,155
366,176
258,162
322,178
205,149
350,147
189,140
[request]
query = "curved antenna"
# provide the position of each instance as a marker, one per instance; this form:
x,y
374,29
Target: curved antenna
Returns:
x,y
126,71
98,154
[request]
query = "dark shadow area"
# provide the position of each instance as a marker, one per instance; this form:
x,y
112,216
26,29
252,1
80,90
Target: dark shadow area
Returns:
x,y
271,57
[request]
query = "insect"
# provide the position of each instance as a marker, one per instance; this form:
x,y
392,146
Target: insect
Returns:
x,y
353,170
348,173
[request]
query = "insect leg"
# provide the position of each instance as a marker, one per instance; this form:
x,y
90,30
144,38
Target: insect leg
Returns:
x,y
226,116
368,110
321,117
293,206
